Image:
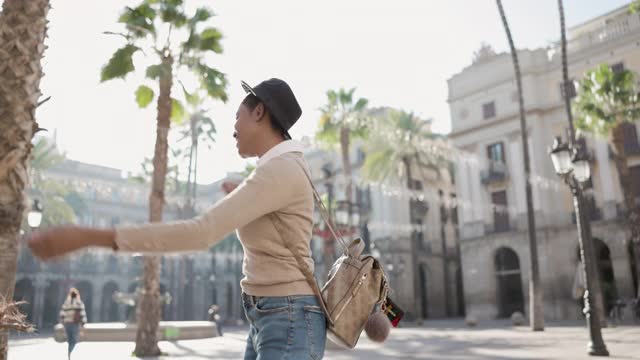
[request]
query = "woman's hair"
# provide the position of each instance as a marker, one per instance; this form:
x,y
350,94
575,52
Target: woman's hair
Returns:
x,y
73,294
251,101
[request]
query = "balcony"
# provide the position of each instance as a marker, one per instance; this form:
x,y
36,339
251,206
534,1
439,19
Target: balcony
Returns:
x,y
496,173
613,28
500,225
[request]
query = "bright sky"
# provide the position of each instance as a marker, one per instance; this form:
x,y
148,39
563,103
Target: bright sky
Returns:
x,y
397,53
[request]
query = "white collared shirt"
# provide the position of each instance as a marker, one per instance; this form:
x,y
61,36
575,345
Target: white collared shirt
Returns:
x,y
282,148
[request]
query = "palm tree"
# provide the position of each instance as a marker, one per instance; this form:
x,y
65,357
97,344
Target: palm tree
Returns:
x,y
397,145
199,129
536,308
155,28
61,203
596,289
23,28
606,103
340,122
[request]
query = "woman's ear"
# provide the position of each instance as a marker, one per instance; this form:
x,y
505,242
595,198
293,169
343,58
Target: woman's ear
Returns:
x,y
259,111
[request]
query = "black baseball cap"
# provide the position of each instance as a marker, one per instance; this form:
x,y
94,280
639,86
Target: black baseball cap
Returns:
x,y
278,97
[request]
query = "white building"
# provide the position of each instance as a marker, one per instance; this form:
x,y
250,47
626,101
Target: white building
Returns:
x,y
490,174
387,227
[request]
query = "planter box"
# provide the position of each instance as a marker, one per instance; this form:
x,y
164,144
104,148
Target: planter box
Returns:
x,y
168,330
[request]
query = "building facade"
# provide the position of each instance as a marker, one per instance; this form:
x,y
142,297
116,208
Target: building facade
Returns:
x,y
390,218
194,281
490,180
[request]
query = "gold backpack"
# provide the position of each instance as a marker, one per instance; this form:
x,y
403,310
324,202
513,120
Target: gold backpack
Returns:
x,y
355,285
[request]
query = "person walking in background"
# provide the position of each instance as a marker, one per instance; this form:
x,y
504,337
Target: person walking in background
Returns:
x,y
215,317
73,317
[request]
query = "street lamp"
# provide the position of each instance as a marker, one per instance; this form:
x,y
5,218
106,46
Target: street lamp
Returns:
x,y
342,213
560,156
34,217
575,171
347,215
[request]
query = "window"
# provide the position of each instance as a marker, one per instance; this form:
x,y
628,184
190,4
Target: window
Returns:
x,y
454,209
360,156
500,213
495,152
571,87
617,67
489,110
630,138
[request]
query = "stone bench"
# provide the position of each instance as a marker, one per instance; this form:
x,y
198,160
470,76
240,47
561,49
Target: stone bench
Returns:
x,y
117,331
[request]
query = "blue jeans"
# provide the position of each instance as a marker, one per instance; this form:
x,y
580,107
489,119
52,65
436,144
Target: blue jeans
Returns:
x,y
284,328
72,330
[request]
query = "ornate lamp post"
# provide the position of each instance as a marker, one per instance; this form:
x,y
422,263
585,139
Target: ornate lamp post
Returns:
x,y
572,165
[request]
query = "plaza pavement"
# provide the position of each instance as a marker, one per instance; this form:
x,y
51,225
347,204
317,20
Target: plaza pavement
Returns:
x,y
433,340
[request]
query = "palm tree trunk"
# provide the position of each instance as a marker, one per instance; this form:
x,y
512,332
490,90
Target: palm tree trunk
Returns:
x,y
149,303
535,289
194,187
415,267
633,210
189,173
346,165
23,28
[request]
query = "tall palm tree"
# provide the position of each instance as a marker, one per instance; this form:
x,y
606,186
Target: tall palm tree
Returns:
x,y
199,129
341,121
23,28
156,28
536,307
607,102
396,147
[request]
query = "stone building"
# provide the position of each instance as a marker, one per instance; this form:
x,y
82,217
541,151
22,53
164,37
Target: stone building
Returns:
x,y
197,280
194,281
490,179
387,226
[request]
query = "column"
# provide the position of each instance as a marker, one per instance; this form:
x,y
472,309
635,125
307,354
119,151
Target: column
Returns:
x,y
97,302
516,168
40,287
606,178
464,196
476,189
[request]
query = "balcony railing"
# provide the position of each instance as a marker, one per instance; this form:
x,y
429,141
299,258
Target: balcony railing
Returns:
x,y
497,172
500,225
613,29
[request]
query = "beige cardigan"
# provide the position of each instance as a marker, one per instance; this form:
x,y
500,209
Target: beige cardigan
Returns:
x,y
279,185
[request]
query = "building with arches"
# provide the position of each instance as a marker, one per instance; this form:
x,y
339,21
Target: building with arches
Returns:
x,y
490,180
194,281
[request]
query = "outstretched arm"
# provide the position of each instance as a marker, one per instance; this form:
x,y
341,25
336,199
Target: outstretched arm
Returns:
x,y
266,190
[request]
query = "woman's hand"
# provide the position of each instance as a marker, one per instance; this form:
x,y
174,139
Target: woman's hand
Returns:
x,y
55,242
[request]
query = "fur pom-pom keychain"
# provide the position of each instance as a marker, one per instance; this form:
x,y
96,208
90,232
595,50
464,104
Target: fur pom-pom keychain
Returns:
x,y
378,326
